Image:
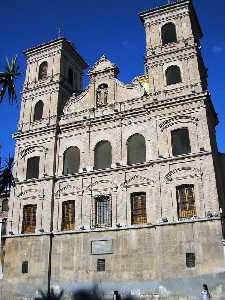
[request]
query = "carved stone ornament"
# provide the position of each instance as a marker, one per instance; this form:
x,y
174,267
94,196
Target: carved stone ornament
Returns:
x,y
30,194
103,185
177,120
67,190
136,181
182,173
32,149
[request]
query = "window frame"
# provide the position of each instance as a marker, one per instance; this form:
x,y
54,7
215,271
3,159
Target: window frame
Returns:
x,y
41,75
173,145
183,211
163,33
29,165
66,223
29,223
140,211
168,77
190,260
99,213
130,143
100,265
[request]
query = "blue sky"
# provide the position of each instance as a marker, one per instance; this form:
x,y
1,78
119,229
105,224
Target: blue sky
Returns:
x,y
97,27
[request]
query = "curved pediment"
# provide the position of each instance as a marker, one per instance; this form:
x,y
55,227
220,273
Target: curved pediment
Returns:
x,y
177,119
182,173
30,194
137,180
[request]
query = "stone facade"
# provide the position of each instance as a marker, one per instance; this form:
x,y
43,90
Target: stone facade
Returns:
x,y
150,256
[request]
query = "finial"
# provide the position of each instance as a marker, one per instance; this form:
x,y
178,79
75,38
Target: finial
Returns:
x,y
59,33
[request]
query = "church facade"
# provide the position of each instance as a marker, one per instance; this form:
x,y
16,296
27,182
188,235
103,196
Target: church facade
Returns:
x,y
118,184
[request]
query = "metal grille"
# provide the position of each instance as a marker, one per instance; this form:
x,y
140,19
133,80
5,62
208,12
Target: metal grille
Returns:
x,y
185,201
29,218
100,265
68,215
190,260
103,214
138,208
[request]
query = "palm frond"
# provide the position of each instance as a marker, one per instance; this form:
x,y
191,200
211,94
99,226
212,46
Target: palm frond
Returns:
x,y
7,80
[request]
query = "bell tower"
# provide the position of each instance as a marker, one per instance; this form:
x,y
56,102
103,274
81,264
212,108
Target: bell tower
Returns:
x,y
54,72
173,58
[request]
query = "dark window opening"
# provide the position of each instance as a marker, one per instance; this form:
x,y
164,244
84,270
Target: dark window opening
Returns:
x,y
33,167
190,260
102,95
68,215
71,161
136,149
38,110
29,219
138,208
103,213
180,141
43,70
5,205
100,265
25,267
169,34
70,76
4,227
185,201
103,155
173,75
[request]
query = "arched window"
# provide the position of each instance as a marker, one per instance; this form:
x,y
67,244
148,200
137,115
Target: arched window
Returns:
x,y
33,167
103,155
38,110
168,33
185,201
71,160
136,149
5,205
180,141
43,70
173,75
70,76
29,218
102,95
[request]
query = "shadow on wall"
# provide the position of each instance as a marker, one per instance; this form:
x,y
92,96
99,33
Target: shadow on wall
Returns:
x,y
83,294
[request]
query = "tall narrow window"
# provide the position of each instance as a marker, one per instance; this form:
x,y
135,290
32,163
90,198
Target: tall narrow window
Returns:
x,y
136,149
190,260
71,160
180,141
103,155
100,265
185,201
102,95
68,215
70,76
33,167
103,214
43,70
25,267
29,218
38,110
5,205
173,75
138,208
168,34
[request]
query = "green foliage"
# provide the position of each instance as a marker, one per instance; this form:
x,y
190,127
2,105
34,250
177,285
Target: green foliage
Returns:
x,y
7,80
6,176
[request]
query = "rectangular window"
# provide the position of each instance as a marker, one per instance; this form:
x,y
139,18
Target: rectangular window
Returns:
x,y
138,208
190,260
29,218
100,265
103,214
180,141
33,167
68,215
185,201
25,267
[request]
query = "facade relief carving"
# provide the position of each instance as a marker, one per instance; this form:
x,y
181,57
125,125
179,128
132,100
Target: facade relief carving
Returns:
x,y
177,120
137,180
182,173
32,149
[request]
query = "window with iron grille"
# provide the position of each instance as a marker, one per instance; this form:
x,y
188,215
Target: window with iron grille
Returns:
x,y
29,218
190,260
103,214
138,208
100,265
25,267
68,215
185,201
180,141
